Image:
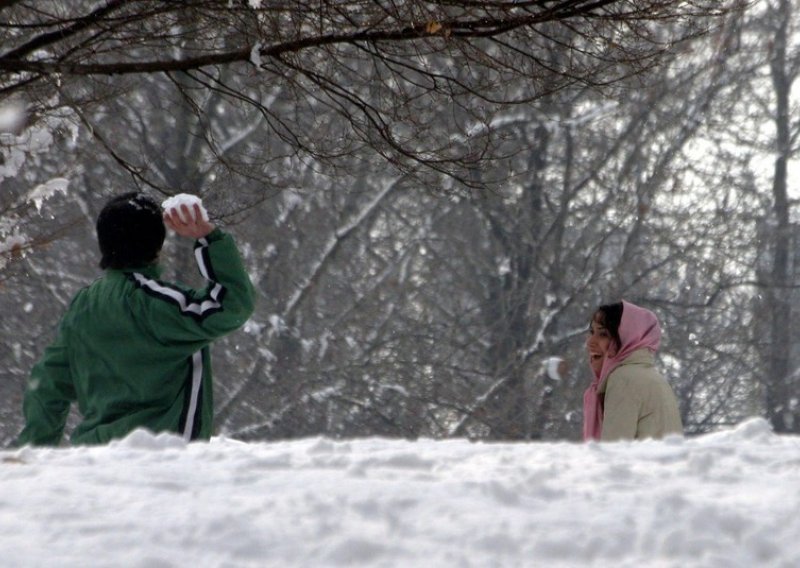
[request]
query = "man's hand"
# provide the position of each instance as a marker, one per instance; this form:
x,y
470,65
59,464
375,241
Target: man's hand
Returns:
x,y
194,226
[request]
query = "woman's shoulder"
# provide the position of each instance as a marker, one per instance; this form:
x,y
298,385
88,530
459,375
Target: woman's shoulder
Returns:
x,y
640,357
639,365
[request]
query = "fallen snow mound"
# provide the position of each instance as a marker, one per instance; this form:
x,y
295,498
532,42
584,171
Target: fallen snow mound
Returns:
x,y
726,499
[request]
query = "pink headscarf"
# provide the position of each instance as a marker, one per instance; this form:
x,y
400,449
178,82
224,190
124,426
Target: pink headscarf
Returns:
x,y
638,329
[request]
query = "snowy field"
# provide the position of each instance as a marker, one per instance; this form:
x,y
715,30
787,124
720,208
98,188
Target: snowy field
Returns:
x,y
730,499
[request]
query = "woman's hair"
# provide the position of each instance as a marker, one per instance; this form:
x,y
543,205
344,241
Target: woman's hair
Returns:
x,y
610,316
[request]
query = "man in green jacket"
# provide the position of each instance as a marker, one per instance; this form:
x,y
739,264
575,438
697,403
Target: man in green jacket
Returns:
x,y
132,350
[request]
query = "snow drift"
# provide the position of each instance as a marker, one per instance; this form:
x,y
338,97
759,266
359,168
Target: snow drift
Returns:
x,y
726,499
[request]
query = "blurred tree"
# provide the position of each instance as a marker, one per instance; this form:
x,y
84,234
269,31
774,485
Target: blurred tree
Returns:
x,y
420,245
755,133
417,52
781,380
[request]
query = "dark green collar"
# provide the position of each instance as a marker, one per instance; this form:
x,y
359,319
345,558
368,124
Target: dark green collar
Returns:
x,y
148,270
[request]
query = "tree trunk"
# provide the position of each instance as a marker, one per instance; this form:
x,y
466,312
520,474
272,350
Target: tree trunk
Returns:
x,y
777,387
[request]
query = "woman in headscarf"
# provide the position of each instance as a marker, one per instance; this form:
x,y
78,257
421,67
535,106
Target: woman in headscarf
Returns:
x,y
628,398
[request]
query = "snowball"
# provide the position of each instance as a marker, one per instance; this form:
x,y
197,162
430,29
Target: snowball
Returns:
x,y
551,366
187,199
255,54
12,117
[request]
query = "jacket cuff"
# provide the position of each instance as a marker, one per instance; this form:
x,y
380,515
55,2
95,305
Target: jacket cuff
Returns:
x,y
214,235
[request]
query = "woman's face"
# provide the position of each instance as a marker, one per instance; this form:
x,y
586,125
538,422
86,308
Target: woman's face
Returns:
x,y
599,344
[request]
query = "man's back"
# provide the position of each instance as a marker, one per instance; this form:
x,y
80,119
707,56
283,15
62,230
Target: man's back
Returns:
x,y
133,351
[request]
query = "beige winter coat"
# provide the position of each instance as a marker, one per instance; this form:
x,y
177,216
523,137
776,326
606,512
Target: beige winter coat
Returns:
x,y
638,403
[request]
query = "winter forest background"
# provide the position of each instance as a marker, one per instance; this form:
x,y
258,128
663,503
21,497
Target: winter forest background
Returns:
x,y
431,197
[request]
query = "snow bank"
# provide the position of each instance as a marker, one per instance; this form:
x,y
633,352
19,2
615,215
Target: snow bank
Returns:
x,y
727,499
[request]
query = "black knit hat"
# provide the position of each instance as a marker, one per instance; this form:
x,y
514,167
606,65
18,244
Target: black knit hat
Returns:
x,y
130,231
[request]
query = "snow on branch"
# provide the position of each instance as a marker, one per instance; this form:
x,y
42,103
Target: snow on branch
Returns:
x,y
335,240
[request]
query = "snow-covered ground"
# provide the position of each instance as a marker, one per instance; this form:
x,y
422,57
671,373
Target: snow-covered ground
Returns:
x,y
728,499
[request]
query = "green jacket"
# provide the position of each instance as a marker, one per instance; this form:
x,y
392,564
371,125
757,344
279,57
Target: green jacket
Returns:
x,y
133,352
638,403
